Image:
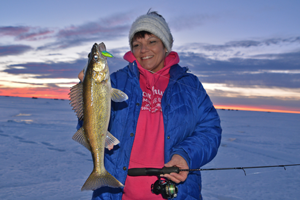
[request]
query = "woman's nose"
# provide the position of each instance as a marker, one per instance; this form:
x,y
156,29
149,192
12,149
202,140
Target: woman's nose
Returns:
x,y
144,48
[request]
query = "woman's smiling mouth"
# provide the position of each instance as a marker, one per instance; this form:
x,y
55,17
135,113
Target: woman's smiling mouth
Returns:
x,y
147,57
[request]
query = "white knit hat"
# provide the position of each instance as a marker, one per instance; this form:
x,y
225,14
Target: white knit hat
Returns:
x,y
155,24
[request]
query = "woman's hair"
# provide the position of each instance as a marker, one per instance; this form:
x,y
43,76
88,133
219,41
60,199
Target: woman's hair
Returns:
x,y
138,35
141,34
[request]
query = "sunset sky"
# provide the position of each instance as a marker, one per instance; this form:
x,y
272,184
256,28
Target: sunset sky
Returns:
x,y
246,53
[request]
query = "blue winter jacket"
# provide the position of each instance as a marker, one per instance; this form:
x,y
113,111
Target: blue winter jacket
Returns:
x,y
191,123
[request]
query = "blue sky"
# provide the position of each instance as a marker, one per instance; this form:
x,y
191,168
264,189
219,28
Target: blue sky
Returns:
x,y
245,53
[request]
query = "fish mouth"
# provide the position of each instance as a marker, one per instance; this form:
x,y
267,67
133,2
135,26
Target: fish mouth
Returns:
x,y
98,49
94,54
95,48
97,61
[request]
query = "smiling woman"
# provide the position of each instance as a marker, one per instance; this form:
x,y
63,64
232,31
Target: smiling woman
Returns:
x,y
149,51
166,113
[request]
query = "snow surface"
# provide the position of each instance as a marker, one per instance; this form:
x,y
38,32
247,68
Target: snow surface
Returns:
x,y
39,160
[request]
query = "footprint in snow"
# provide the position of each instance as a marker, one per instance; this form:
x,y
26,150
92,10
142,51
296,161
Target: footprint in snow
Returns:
x,y
47,144
23,140
55,149
4,135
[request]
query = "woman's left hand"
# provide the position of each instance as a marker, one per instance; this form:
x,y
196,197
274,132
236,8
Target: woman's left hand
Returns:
x,y
180,162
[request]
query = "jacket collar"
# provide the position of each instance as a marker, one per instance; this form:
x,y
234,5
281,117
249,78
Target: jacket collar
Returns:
x,y
176,72
133,69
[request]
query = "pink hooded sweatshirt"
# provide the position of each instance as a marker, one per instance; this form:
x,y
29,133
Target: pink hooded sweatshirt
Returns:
x,y
148,146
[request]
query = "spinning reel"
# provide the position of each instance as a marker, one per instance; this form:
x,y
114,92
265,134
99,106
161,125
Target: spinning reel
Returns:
x,y
166,188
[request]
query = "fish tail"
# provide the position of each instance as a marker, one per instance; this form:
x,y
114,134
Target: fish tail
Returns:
x,y
97,180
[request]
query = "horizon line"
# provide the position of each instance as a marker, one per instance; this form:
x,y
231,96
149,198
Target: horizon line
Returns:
x,y
218,107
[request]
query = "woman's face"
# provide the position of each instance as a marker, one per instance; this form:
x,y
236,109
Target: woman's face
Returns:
x,y
149,52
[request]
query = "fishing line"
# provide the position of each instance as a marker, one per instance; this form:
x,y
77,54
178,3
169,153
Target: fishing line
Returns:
x,y
242,168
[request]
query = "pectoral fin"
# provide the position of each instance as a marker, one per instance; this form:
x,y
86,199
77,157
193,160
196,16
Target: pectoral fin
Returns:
x,y
118,95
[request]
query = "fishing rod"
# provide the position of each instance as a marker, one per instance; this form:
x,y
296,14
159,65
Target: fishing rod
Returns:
x,y
169,189
168,170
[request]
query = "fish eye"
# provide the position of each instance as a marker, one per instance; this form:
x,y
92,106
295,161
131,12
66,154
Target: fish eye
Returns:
x,y
95,57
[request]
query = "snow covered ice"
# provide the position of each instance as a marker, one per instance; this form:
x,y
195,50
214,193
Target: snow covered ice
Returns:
x,y
255,139
39,160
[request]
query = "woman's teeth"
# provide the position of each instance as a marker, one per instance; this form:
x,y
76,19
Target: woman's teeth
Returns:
x,y
147,57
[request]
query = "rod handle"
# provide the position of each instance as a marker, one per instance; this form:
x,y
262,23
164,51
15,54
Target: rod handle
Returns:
x,y
152,171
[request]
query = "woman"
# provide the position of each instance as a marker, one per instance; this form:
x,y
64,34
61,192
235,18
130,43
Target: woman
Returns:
x,y
168,119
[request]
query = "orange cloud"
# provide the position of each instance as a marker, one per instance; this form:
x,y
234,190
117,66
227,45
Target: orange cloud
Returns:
x,y
49,93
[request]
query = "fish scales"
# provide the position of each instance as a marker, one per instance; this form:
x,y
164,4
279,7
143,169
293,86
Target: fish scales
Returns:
x,y
97,105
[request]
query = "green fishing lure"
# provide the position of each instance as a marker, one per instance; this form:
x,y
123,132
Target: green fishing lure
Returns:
x,y
107,54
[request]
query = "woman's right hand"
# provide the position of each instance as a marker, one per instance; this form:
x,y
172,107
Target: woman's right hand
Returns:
x,y
81,75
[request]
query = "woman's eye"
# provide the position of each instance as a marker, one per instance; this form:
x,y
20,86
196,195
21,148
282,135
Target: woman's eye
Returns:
x,y
135,45
153,41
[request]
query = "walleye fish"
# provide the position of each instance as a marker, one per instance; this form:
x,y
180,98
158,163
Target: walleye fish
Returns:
x,y
91,100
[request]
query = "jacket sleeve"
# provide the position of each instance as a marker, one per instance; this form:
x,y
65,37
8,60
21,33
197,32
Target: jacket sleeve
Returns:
x,y
201,146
